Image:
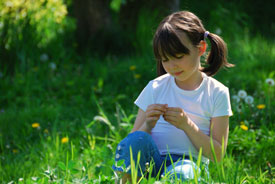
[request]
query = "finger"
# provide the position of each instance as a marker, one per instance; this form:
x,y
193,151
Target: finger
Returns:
x,y
175,109
160,107
154,113
169,119
153,118
171,113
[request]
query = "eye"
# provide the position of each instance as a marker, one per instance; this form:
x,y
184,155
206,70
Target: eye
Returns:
x,y
179,56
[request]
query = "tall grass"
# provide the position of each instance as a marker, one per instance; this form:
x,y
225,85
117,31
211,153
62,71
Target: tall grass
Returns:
x,y
92,105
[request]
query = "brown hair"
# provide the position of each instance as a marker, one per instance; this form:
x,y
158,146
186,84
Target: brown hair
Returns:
x,y
167,43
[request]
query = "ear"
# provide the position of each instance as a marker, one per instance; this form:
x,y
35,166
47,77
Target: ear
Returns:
x,y
202,47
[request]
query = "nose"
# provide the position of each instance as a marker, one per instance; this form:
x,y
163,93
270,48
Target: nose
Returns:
x,y
172,64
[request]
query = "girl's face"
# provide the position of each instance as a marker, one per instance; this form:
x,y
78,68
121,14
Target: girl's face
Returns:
x,y
187,66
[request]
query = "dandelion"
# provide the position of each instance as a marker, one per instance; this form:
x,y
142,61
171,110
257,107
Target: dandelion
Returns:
x,y
261,106
64,140
34,178
239,108
132,68
35,69
270,82
249,99
44,57
236,98
137,76
242,94
1,25
244,127
35,125
218,31
52,65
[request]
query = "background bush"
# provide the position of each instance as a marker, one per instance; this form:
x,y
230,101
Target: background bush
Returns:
x,y
81,93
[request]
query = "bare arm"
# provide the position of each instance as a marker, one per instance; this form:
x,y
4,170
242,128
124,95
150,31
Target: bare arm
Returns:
x,y
140,119
220,129
146,121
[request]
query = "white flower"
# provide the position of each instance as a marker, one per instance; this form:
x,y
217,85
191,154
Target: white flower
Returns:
x,y
249,99
270,82
34,178
44,57
1,25
157,182
218,31
242,94
20,179
52,65
239,108
236,98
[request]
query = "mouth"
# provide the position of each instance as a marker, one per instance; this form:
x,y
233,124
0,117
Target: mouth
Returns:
x,y
178,73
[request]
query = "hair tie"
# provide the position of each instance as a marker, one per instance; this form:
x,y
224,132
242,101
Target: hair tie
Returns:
x,y
206,33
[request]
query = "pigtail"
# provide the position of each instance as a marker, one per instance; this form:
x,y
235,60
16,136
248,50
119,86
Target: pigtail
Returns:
x,y
217,58
160,69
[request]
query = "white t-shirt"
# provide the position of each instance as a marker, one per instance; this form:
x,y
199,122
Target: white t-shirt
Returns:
x,y
210,99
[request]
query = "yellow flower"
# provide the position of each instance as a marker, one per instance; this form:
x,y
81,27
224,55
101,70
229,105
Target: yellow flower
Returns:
x,y
137,76
35,69
64,140
244,127
15,151
132,68
261,106
35,125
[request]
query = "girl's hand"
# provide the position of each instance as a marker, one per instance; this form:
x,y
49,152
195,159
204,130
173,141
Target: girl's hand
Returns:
x,y
176,116
153,112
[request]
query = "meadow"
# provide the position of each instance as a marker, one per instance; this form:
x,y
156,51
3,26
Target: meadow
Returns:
x,y
62,122
61,118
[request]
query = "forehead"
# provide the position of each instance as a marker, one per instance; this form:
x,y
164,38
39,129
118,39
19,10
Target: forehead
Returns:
x,y
185,40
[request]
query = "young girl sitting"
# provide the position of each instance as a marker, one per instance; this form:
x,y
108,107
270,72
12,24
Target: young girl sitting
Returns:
x,y
184,107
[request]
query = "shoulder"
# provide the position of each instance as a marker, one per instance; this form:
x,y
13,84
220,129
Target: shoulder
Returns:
x,y
216,86
161,81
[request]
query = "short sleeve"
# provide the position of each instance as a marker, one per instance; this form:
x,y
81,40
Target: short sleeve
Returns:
x,y
222,106
146,97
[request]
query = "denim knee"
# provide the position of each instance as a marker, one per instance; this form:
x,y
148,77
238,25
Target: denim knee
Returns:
x,y
184,170
138,141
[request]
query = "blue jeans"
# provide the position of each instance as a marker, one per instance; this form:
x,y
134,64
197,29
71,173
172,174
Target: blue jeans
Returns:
x,y
142,142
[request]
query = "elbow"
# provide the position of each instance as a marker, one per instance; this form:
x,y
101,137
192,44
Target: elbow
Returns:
x,y
219,154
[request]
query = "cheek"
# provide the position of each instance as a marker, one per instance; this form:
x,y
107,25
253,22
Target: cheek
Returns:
x,y
165,66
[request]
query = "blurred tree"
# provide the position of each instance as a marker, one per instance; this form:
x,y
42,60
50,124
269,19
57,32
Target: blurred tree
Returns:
x,y
29,28
103,26
92,16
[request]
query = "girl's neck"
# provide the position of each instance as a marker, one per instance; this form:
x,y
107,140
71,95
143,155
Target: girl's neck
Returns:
x,y
192,83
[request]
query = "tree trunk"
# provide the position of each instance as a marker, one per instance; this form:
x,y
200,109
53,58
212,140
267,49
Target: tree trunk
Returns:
x,y
92,16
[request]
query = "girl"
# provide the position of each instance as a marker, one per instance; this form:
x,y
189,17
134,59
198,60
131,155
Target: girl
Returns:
x,y
179,110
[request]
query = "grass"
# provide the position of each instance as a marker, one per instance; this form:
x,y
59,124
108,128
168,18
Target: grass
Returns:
x,y
91,104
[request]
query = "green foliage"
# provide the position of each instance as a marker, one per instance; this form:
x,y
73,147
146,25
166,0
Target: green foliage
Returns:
x,y
28,27
90,100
